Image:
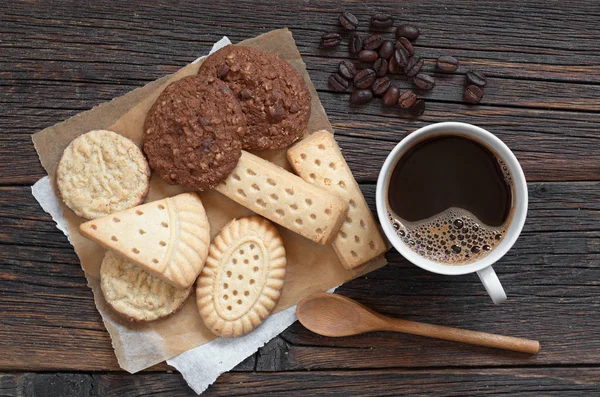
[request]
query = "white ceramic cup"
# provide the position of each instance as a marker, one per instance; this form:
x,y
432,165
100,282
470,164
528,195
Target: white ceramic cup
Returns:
x,y
483,266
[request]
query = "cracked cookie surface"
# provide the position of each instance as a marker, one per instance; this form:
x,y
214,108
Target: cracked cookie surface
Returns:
x,y
272,94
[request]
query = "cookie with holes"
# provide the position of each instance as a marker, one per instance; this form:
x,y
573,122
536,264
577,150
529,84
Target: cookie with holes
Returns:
x,y
136,294
192,133
243,277
273,95
168,238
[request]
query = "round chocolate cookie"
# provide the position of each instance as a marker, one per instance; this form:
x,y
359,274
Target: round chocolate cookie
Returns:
x,y
272,94
192,133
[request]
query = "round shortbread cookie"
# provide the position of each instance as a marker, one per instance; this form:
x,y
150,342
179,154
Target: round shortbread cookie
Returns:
x,y
136,294
243,277
102,172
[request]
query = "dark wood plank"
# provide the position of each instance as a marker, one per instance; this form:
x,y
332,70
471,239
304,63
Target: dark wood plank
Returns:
x,y
70,59
557,381
550,277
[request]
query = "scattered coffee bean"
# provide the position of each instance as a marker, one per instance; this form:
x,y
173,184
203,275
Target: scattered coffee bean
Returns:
x,y
447,63
390,98
401,58
360,97
424,81
386,50
473,94
382,21
348,21
367,56
408,31
476,78
404,44
393,67
338,83
407,99
355,43
347,69
413,66
329,40
364,78
417,109
373,42
380,67
380,86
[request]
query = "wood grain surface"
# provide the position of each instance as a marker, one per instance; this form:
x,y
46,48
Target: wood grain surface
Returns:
x,y
59,58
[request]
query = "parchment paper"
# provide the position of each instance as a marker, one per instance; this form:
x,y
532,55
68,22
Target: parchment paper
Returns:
x,y
311,267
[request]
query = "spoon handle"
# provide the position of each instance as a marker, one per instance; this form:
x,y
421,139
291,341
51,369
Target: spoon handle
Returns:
x,y
463,335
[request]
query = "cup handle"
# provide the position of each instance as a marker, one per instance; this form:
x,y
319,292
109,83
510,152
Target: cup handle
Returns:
x,y
492,284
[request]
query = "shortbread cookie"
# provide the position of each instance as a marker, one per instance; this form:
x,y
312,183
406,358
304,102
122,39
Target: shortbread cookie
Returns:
x,y
285,198
169,237
318,160
272,93
243,277
102,172
136,294
192,132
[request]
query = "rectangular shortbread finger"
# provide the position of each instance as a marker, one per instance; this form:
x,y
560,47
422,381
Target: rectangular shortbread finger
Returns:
x,y
284,198
318,160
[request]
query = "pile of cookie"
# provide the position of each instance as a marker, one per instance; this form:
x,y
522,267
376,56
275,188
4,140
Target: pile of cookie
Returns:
x,y
196,135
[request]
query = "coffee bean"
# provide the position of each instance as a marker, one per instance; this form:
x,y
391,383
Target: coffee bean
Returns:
x,y
401,58
413,66
390,98
382,21
393,67
347,69
408,31
447,63
364,78
329,40
380,86
404,44
476,78
386,50
348,21
355,43
360,97
417,109
337,82
373,42
407,99
473,94
381,67
424,81
367,55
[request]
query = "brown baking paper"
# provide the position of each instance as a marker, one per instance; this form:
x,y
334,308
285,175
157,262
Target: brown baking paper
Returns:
x,y
311,267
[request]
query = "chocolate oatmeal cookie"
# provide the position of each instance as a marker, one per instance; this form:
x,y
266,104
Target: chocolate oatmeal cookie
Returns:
x,y
272,94
192,133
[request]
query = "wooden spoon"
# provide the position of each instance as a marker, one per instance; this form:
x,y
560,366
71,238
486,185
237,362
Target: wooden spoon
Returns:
x,y
335,315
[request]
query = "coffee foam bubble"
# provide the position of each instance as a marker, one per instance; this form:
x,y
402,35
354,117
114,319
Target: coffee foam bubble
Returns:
x,y
453,237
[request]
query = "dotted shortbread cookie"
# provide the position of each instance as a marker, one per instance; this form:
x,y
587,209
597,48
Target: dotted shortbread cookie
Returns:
x,y
243,277
284,198
318,160
169,237
136,294
102,172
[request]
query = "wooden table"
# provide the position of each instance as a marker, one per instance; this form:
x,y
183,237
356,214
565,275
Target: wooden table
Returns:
x,y
58,58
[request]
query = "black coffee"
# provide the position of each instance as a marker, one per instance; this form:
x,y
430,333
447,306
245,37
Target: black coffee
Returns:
x,y
450,199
